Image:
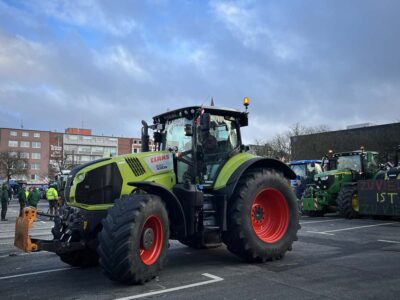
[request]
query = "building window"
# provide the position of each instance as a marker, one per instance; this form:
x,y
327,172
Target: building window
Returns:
x,y
13,133
87,138
13,154
98,150
36,135
24,144
35,166
36,144
24,155
134,150
25,134
35,177
84,149
73,137
12,143
85,158
35,156
134,141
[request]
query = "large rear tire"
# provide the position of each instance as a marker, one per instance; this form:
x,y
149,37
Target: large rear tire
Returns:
x,y
348,201
263,217
134,240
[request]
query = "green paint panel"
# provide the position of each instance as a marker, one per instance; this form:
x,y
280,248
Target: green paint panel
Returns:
x,y
164,175
231,165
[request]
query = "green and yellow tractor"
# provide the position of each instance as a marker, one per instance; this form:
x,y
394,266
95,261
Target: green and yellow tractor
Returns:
x,y
199,187
331,188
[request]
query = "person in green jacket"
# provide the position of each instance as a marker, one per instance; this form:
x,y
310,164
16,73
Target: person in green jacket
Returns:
x,y
4,202
21,199
34,197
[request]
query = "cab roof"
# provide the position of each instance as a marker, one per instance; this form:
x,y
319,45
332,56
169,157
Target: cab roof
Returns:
x,y
356,152
305,161
191,110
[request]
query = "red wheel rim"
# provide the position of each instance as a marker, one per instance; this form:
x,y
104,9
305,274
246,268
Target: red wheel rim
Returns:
x,y
151,240
270,215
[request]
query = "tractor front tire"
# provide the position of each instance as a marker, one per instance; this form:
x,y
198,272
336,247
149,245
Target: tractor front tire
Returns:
x,y
134,240
348,202
263,217
80,258
63,231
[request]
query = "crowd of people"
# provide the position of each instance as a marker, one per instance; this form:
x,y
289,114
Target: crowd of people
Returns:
x,y
29,197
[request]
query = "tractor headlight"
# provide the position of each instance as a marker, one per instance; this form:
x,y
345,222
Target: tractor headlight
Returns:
x,y
323,178
80,177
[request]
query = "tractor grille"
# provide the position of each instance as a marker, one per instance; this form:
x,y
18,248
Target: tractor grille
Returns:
x,y
326,184
101,185
135,165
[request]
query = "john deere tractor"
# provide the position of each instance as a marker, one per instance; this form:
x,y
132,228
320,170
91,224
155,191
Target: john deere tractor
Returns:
x,y
331,188
199,187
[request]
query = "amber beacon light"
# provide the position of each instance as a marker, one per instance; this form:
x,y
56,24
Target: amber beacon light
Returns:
x,y
246,102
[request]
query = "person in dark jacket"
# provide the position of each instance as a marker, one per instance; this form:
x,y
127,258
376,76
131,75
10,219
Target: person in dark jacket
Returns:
x,y
22,199
34,197
4,202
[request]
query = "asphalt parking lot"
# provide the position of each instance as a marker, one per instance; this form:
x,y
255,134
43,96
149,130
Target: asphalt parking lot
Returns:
x,y
334,258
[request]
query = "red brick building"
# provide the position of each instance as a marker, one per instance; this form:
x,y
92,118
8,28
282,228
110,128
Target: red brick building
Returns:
x,y
46,150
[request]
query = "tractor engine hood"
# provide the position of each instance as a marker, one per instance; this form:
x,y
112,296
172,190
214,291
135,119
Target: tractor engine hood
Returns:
x,y
96,185
326,179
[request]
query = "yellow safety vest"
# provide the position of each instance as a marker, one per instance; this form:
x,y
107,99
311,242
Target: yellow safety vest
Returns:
x,y
51,194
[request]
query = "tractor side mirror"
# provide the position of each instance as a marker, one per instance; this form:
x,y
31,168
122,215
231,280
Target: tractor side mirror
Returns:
x,y
188,130
205,122
157,137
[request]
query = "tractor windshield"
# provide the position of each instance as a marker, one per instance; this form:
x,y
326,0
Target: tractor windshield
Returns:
x,y
174,137
300,170
352,162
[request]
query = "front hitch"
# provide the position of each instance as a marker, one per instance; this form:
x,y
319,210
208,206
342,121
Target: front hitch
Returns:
x,y
24,241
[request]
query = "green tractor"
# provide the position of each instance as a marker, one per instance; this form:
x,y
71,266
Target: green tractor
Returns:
x,y
331,188
199,187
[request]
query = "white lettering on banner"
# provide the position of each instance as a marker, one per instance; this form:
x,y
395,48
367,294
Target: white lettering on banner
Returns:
x,y
159,163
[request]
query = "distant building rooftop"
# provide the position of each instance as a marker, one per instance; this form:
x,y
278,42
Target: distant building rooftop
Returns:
x,y
360,125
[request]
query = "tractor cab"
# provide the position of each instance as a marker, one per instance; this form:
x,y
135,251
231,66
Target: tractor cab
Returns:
x,y
202,139
362,163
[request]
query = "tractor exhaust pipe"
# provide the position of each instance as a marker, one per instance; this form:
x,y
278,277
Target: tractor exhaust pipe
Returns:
x,y
145,137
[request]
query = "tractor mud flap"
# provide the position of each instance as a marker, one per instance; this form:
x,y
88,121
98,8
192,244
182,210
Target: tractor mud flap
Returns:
x,y
22,239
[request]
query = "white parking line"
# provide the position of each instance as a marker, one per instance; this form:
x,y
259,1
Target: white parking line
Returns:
x,y
35,273
32,234
213,280
391,242
320,232
312,222
39,228
329,232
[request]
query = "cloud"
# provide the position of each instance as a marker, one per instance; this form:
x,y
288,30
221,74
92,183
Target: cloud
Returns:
x,y
85,14
111,64
118,57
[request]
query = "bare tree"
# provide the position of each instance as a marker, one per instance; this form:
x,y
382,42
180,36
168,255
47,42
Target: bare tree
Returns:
x,y
12,164
61,162
279,146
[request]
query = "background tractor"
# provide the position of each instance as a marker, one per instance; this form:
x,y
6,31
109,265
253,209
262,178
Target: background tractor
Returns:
x,y
305,171
200,187
341,173
379,196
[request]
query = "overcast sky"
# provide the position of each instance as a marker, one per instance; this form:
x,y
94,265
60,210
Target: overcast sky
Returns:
x,y
107,65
